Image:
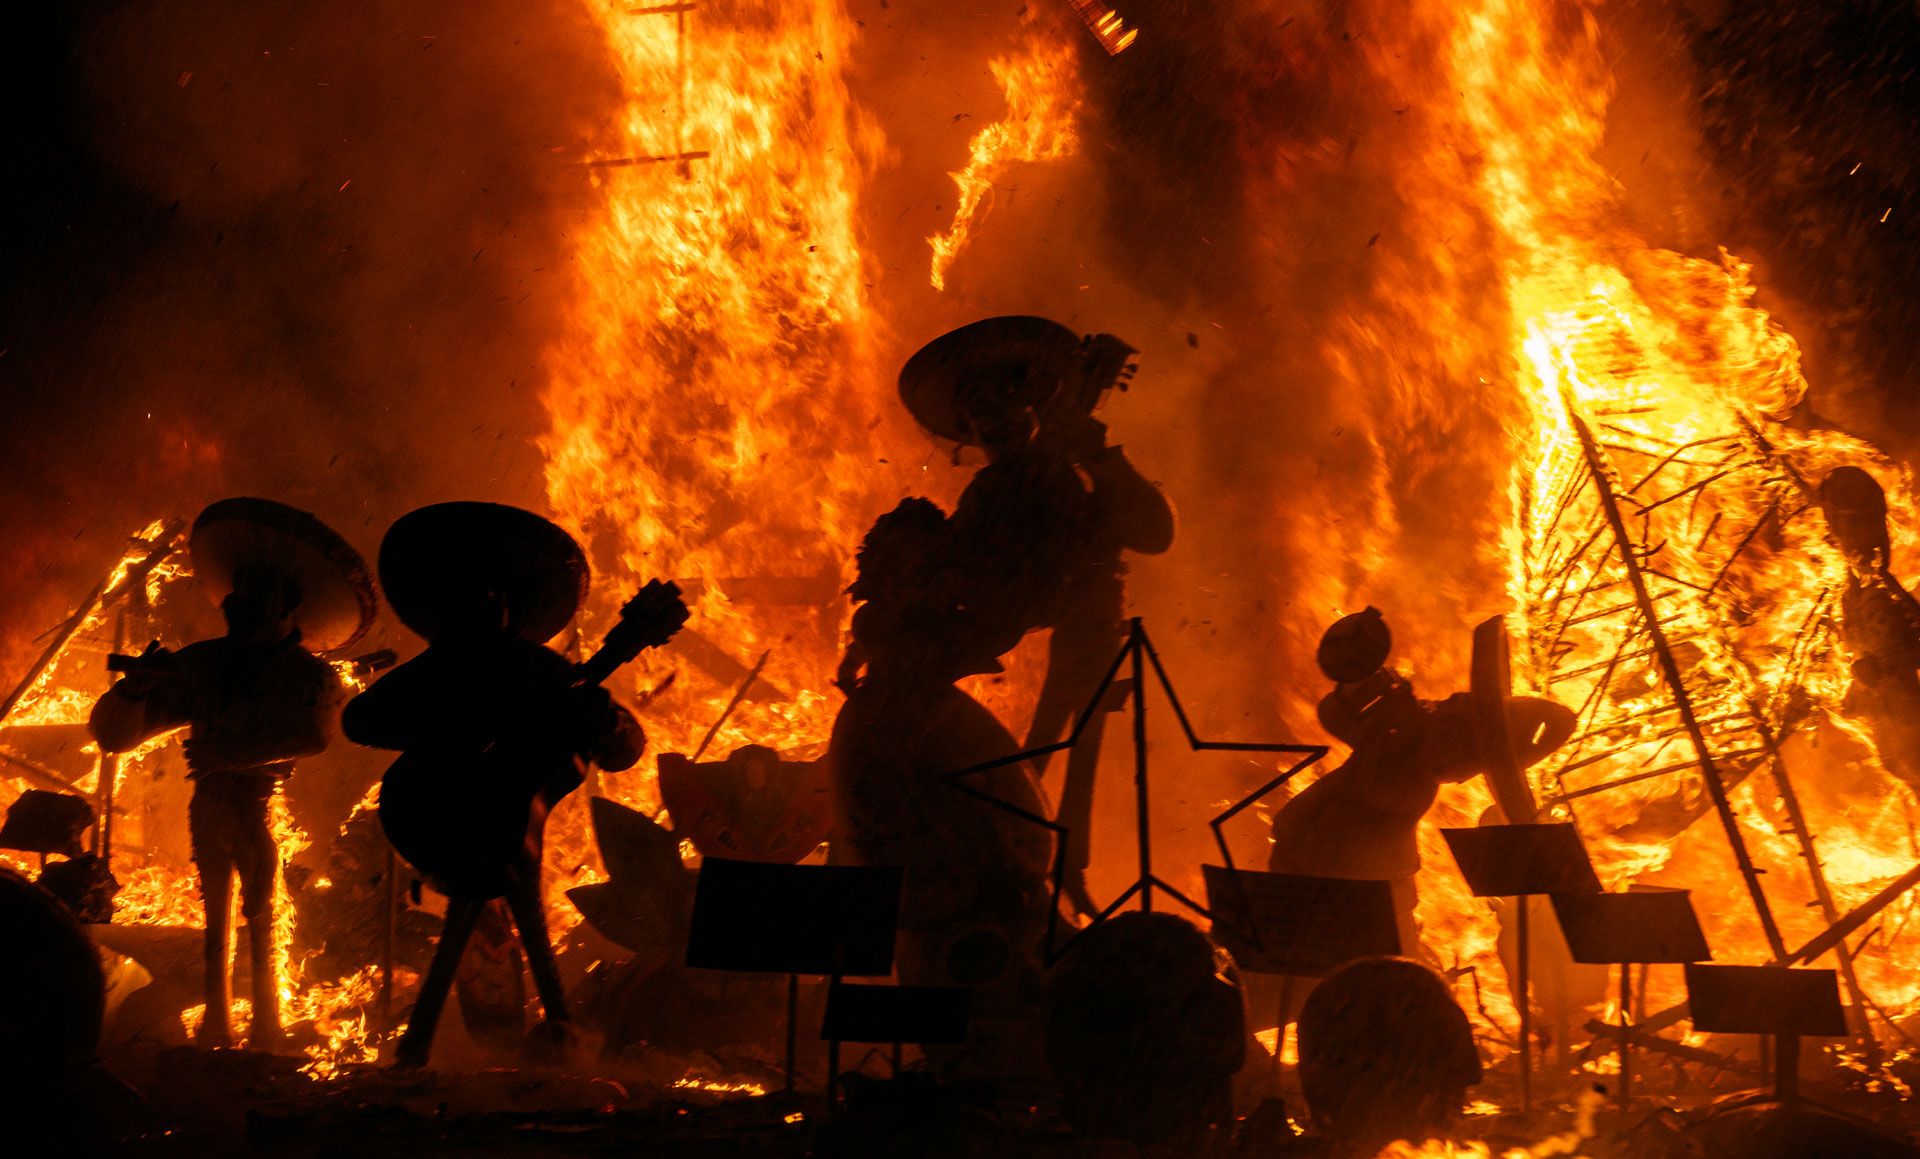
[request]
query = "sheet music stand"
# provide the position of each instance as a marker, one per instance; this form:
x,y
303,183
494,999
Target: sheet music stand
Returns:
x,y
1297,926
921,1015
1523,861
1642,927
767,918
1773,1001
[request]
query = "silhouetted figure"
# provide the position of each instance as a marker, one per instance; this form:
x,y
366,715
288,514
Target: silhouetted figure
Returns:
x,y
255,700
975,893
494,727
1361,821
1145,1031
1040,532
1385,1054
1878,618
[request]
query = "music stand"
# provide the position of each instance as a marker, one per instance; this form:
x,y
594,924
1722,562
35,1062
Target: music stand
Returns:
x,y
895,1014
768,918
1643,926
1297,926
1773,1001
1523,861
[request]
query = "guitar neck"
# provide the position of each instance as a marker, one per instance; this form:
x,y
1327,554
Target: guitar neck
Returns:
x,y
604,663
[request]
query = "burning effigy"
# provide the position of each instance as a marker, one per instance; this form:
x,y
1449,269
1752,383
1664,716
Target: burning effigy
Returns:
x,y
835,577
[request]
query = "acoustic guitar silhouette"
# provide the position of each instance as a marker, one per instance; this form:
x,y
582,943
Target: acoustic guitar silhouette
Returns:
x,y
462,818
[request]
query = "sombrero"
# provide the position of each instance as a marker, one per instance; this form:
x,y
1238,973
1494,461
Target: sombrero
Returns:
x,y
337,603
433,556
969,378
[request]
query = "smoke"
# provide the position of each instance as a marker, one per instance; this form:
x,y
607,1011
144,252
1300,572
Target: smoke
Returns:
x,y
310,251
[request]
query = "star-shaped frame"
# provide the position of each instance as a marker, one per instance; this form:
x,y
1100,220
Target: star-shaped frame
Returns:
x,y
1137,652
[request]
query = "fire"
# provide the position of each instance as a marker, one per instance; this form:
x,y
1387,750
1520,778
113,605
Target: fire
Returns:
x,y
719,1086
1042,88
1647,404
159,895
1107,26
156,894
716,417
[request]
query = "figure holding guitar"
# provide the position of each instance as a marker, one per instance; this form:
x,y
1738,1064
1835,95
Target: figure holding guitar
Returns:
x,y
494,728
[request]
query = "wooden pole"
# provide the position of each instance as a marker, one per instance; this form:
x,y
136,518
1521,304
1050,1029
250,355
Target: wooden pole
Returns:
x,y
1136,644
1280,1026
1626,1039
1676,683
388,940
793,1025
1524,1001
1786,1067
109,768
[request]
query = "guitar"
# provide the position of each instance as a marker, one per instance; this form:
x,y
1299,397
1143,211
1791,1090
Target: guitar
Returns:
x,y
466,819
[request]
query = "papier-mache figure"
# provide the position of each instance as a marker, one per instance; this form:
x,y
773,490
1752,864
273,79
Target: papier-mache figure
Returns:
x,y
254,701
1038,538
1361,821
975,892
494,728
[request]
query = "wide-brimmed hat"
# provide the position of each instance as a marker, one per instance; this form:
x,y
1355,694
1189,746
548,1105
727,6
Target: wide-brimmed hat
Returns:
x,y
434,558
337,602
988,371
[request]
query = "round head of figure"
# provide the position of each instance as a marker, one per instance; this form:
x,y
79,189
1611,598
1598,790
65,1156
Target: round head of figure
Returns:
x,y
262,605
1355,647
1856,511
898,548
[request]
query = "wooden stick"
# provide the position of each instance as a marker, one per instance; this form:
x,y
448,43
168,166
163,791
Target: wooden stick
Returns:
x,y
739,694
1524,1001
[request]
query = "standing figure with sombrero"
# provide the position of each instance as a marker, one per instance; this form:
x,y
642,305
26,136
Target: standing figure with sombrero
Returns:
x,y
494,728
255,700
1041,532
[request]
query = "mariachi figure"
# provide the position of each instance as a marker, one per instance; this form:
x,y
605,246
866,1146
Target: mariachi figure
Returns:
x,y
1361,821
494,728
254,701
1039,535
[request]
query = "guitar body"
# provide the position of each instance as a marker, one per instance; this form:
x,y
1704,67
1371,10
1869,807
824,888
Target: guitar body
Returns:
x,y
468,825
469,818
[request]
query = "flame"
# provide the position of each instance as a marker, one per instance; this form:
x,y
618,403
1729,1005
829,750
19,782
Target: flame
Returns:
x,y
1107,26
1042,88
720,1087
716,418
1656,371
159,895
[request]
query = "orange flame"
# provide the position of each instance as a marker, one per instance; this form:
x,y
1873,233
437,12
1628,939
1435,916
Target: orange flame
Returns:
x,y
1042,88
1685,388
713,402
